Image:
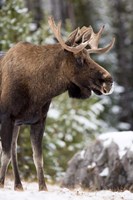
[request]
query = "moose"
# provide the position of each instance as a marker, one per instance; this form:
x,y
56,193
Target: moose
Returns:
x,y
31,75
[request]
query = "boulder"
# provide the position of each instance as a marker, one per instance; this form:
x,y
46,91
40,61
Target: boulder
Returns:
x,y
102,165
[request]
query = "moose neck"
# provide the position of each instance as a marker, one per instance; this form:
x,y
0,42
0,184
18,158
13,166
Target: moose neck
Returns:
x,y
34,72
49,80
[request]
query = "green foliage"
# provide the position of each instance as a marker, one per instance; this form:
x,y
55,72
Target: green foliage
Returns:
x,y
14,23
18,26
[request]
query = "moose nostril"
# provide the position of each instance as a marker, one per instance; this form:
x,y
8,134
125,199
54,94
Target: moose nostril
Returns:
x,y
104,90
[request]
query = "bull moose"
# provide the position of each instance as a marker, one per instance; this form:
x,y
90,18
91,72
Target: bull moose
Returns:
x,y
31,75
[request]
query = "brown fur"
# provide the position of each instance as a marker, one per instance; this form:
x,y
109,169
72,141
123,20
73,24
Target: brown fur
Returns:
x,y
31,76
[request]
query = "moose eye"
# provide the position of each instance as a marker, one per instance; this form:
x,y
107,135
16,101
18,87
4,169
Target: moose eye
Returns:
x,y
101,80
80,62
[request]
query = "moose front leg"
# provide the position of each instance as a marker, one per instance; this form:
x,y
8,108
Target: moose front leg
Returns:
x,y
17,183
6,140
37,131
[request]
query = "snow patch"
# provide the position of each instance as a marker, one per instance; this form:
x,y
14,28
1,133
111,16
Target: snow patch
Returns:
x,y
31,193
105,172
123,139
92,166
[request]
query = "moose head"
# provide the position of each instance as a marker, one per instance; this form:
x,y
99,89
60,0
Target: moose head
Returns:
x,y
83,73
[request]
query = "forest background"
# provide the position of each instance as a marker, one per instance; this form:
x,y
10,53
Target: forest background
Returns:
x,y
73,124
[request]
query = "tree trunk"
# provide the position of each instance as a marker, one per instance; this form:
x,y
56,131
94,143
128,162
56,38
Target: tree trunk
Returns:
x,y
124,54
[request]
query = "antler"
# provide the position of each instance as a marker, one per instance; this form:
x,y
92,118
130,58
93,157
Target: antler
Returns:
x,y
86,35
94,40
56,31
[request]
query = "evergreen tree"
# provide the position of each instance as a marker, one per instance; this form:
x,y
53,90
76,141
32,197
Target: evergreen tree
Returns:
x,y
14,23
123,22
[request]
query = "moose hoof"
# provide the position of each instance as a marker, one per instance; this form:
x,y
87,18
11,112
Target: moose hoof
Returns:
x,y
18,187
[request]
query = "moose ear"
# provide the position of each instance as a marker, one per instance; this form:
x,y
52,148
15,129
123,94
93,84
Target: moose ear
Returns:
x,y
72,37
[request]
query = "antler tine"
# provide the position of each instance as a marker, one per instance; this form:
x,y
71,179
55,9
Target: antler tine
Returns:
x,y
102,50
85,33
79,35
54,28
56,31
94,40
72,37
95,37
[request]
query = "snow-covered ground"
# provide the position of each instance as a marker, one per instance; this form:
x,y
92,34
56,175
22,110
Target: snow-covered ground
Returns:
x,y
56,193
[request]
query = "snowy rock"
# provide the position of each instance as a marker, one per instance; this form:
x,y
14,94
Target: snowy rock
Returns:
x,y
107,163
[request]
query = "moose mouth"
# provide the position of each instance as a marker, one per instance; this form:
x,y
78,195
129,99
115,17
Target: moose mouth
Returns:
x,y
83,92
97,92
80,92
105,88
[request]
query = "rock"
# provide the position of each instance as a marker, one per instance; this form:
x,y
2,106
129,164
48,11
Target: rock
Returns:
x,y
100,166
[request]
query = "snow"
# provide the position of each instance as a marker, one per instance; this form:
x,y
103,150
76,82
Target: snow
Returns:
x,y
83,120
53,113
105,172
31,193
92,166
82,154
21,10
123,139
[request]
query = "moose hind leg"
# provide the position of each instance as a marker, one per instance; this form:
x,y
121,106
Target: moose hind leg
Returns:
x,y
36,141
5,160
6,139
17,183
